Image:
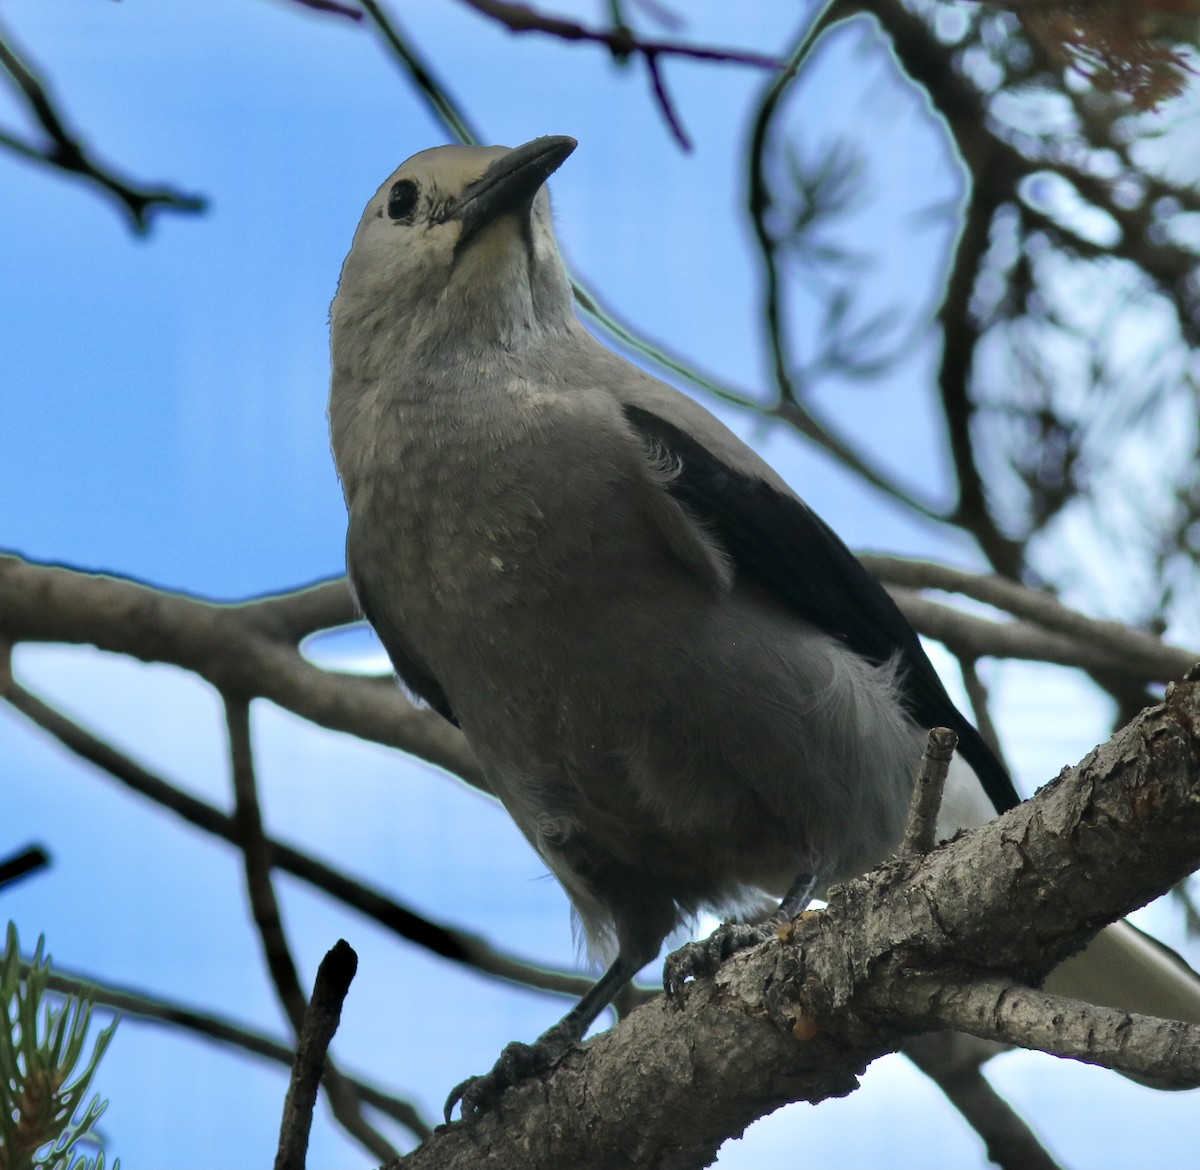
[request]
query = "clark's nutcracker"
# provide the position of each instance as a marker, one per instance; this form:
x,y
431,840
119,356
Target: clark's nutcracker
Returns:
x,y
681,684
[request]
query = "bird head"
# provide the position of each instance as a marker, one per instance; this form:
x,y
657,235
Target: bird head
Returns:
x,y
460,238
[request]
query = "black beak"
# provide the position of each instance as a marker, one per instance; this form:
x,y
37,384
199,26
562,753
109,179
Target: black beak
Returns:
x,y
511,182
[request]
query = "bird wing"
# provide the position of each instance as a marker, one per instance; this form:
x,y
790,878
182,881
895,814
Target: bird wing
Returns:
x,y
409,665
778,542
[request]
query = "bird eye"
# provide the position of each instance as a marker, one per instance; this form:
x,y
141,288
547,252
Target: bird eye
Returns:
x,y
402,199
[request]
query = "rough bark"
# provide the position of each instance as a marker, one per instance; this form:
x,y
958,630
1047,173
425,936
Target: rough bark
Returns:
x,y
955,938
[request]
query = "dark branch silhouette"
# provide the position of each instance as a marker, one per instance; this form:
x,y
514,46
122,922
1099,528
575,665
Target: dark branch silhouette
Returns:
x,y
66,152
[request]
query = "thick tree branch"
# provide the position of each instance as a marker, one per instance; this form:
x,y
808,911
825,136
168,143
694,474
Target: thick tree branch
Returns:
x,y
968,636
296,614
446,941
251,645
1164,1051
44,603
801,1017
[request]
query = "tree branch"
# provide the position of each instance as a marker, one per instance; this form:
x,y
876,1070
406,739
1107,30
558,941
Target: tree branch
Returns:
x,y
620,41
21,865
989,163
920,832
1164,1051
421,74
456,945
981,709
952,1061
332,7
264,908
321,1018
44,603
968,636
1126,648
799,1018
221,1030
801,416
294,615
66,152
758,192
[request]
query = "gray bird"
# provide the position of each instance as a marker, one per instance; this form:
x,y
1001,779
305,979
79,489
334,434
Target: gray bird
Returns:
x,y
683,687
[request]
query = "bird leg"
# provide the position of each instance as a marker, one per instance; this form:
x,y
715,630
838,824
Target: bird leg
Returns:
x,y
476,1095
698,960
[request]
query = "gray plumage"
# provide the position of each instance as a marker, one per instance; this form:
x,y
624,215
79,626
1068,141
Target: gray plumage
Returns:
x,y
644,716
682,687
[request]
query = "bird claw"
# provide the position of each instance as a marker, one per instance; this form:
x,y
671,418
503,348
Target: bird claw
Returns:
x,y
477,1095
699,960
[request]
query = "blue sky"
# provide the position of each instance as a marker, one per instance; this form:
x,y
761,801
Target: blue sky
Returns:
x,y
163,417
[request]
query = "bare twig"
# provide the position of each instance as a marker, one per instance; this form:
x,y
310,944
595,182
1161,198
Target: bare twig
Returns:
x,y
593,306
1132,649
21,865
252,841
428,85
140,1004
670,114
620,40
808,420
759,192
622,43
519,18
265,910
456,945
803,418
921,830
331,6
968,636
977,693
992,181
66,152
321,1019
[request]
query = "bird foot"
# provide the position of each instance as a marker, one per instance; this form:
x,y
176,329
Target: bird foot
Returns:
x,y
698,960
477,1095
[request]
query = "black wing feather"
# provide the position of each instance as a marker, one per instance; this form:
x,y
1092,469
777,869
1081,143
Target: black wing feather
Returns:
x,y
778,542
